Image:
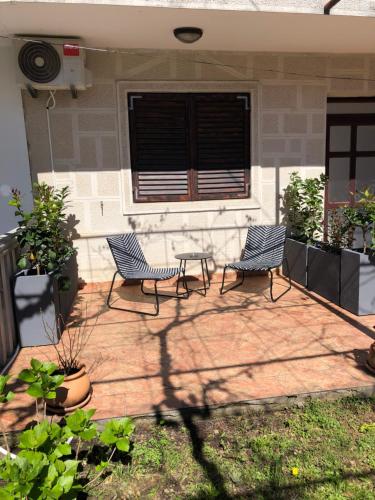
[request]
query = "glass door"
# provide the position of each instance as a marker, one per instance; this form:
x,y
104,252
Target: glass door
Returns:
x,y
350,157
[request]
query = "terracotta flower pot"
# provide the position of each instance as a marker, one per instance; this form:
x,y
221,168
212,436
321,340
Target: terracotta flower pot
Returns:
x,y
371,358
75,392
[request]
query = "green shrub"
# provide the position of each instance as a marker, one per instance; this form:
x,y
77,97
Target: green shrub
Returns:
x,y
45,244
303,206
46,466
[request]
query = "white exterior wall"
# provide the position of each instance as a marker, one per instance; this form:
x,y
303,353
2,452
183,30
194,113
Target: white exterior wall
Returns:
x,y
91,153
14,161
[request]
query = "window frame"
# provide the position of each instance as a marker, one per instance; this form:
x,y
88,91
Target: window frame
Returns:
x,y
193,194
353,121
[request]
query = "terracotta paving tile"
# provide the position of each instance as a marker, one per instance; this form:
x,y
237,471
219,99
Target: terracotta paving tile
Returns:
x,y
210,350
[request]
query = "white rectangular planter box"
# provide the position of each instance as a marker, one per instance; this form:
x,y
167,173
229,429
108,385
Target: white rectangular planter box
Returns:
x,y
358,282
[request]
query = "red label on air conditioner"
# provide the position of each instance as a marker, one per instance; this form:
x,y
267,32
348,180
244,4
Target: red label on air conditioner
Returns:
x,y
71,49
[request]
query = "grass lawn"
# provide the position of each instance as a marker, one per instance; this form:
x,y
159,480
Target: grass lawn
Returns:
x,y
324,450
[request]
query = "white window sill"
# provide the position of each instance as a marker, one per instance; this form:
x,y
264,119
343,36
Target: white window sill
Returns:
x,y
190,207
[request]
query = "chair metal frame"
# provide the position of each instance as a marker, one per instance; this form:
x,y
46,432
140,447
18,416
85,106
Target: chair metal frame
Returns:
x,y
269,271
156,293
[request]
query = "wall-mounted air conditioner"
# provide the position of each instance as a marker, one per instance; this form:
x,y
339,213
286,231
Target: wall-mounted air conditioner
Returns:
x,y
49,63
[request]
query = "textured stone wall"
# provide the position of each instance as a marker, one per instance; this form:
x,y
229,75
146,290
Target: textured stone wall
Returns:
x,y
91,153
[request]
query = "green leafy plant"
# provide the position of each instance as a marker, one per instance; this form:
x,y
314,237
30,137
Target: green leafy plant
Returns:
x,y
366,202
5,397
292,206
361,216
312,206
45,469
303,206
42,381
47,437
337,230
117,433
42,469
81,426
351,220
42,234
47,466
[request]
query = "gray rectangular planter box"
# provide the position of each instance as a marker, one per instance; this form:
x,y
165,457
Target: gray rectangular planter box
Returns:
x,y
38,300
358,282
296,253
323,273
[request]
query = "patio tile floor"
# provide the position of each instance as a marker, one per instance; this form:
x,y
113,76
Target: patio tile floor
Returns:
x,y
212,350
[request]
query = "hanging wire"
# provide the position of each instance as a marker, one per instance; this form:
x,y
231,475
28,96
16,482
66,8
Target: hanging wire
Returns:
x,y
50,107
51,98
145,53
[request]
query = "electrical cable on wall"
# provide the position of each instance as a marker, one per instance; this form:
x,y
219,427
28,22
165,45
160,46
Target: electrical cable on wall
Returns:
x,y
145,53
49,107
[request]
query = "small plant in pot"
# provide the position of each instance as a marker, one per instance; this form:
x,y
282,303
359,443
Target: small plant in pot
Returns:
x,y
303,213
75,391
358,264
46,283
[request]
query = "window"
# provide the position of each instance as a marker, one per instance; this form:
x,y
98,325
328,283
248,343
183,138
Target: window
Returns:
x,y
350,150
188,147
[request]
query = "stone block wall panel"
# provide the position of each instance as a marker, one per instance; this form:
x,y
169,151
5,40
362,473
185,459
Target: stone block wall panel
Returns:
x,y
271,123
280,97
289,95
295,123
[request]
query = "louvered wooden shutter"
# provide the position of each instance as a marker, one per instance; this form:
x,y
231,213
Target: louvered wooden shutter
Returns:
x,y
159,146
222,145
189,146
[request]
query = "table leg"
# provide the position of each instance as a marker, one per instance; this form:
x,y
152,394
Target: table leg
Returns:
x,y
178,278
204,279
185,282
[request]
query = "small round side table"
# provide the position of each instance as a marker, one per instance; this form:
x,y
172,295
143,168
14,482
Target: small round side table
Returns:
x,y
202,256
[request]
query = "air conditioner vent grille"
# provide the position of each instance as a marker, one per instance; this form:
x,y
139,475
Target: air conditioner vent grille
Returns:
x,y
39,62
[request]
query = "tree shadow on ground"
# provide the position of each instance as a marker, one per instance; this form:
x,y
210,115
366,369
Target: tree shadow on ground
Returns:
x,y
189,411
190,408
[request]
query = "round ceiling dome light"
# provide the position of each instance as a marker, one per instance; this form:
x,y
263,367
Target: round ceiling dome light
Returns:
x,y
188,34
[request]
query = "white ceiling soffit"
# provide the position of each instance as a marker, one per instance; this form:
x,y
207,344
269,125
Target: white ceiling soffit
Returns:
x,y
301,6
343,7
152,27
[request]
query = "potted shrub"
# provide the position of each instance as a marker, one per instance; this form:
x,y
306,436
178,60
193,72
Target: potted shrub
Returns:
x,y
324,260
358,265
75,391
303,210
46,283
48,461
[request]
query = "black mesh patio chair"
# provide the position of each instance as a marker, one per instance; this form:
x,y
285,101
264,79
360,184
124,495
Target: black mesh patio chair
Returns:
x,y
132,265
264,251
